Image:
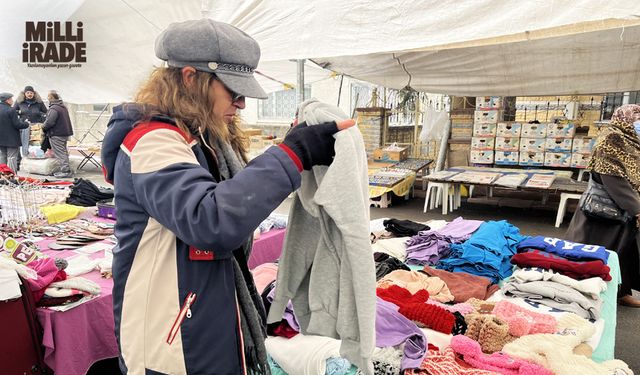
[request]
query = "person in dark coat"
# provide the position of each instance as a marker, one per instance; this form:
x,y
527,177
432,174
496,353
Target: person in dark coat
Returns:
x,y
10,126
616,165
57,127
30,108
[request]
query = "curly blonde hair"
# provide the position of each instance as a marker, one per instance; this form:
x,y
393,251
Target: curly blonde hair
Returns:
x,y
164,93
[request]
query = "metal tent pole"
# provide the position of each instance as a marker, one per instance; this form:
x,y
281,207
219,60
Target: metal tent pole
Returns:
x,y
300,86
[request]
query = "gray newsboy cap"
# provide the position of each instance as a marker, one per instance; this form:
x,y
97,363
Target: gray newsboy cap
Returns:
x,y
4,96
213,47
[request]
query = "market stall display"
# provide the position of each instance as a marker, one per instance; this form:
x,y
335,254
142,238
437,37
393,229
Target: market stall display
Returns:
x,y
545,181
481,315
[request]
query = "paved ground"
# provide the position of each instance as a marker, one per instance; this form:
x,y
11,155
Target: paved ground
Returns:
x,y
532,219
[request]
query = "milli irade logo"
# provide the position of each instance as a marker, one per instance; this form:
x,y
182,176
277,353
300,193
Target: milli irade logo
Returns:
x,y
54,45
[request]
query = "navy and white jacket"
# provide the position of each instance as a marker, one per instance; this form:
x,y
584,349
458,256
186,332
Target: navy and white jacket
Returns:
x,y
174,297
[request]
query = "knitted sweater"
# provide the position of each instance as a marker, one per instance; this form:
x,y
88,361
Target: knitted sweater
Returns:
x,y
555,351
326,268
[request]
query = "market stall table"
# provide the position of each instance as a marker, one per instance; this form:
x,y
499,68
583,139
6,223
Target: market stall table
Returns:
x,y
561,184
77,338
267,248
88,153
420,166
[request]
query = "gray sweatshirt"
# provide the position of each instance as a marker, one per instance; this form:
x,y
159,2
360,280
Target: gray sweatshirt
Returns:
x,y
326,267
556,295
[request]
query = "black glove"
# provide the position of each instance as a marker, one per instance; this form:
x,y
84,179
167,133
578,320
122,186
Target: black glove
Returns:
x,y
313,145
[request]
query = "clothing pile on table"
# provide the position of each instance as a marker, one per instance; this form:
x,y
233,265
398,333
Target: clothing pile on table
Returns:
x,y
51,286
440,308
85,193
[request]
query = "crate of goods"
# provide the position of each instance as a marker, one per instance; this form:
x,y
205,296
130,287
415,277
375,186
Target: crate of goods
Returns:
x,y
391,153
532,159
462,131
484,130
481,157
558,145
532,144
507,158
252,131
557,159
255,142
488,102
583,145
482,143
507,144
561,130
534,130
509,129
580,160
487,117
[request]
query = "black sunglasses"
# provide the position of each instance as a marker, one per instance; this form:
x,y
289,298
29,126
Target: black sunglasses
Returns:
x,y
234,95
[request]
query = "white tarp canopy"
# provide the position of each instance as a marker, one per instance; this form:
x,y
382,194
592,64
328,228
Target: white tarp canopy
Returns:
x,y
480,47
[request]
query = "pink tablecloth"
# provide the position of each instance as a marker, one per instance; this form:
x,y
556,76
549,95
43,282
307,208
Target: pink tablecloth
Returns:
x,y
76,339
267,248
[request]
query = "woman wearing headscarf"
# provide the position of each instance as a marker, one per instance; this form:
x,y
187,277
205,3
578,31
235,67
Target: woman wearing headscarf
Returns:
x,y
616,165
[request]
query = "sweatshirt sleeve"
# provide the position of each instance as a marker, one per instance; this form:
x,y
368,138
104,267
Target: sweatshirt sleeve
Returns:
x,y
183,196
622,193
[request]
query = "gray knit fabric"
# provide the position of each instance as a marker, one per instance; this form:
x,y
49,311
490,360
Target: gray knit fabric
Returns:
x,y
556,295
326,268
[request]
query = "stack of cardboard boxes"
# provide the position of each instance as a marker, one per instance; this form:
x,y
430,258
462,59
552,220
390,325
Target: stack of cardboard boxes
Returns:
x,y
258,142
486,117
514,143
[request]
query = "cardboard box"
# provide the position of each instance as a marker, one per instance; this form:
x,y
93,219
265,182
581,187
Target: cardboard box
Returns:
x,y
462,131
532,144
251,132
385,155
488,102
481,157
531,159
583,145
580,160
484,130
507,158
558,145
487,117
482,143
255,142
534,130
561,130
557,159
509,129
507,144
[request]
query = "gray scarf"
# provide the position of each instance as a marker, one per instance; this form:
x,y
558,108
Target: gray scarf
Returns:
x,y
252,313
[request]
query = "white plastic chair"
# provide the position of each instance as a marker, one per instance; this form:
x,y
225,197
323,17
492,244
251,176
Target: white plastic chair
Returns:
x,y
562,208
432,198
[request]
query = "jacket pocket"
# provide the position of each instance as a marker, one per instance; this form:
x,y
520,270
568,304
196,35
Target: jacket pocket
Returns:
x,y
185,312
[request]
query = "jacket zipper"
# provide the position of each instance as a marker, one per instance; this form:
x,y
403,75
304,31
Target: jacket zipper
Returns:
x,y
185,312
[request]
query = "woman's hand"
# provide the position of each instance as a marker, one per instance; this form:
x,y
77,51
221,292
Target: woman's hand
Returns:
x,y
313,145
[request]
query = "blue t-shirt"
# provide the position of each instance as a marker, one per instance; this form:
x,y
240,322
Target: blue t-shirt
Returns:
x,y
566,249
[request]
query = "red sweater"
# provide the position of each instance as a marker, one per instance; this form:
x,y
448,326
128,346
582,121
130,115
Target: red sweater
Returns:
x,y
576,270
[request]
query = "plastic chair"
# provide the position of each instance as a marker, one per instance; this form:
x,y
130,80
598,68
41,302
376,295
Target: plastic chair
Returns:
x,y
562,208
432,198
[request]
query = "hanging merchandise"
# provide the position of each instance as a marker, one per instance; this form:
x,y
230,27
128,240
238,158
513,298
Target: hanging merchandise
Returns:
x,y
328,273
434,124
